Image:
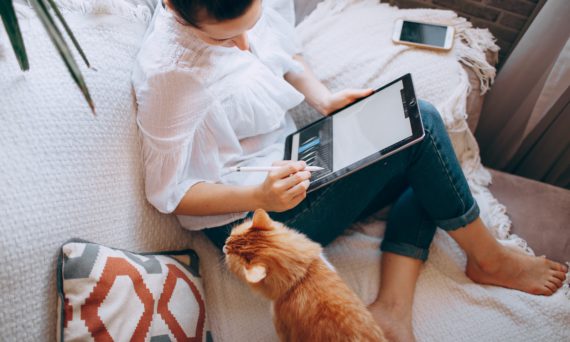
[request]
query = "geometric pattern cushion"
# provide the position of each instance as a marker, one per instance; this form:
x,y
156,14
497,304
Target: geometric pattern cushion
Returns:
x,y
108,294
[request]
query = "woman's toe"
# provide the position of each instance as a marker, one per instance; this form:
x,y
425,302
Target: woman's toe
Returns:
x,y
549,288
539,290
557,266
558,275
556,282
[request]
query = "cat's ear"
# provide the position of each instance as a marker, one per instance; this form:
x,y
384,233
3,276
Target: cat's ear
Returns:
x,y
261,219
254,274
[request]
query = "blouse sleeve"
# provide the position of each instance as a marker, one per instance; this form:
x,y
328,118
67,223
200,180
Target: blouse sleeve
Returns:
x,y
178,146
286,8
286,38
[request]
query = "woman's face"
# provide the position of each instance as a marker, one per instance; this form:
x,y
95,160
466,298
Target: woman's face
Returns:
x,y
232,32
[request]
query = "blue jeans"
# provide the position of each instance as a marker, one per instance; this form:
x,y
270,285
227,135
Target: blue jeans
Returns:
x,y
425,180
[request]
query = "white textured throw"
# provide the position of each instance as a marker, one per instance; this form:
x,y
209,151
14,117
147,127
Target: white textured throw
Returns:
x,y
63,171
348,44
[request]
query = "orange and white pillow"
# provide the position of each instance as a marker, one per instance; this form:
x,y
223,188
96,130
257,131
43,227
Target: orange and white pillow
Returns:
x,y
108,294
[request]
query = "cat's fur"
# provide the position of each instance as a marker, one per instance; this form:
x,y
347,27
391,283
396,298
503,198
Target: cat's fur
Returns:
x,y
310,301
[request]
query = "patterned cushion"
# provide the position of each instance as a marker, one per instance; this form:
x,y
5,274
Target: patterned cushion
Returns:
x,y
108,294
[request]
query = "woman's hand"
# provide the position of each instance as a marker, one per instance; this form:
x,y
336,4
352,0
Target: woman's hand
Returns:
x,y
341,99
283,189
317,94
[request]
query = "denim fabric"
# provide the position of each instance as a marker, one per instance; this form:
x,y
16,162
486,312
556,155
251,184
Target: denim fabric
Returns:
x,y
425,180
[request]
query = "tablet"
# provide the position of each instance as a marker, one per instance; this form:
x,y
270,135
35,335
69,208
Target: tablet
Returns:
x,y
360,134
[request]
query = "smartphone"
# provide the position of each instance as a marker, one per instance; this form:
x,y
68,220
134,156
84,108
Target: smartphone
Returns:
x,y
423,34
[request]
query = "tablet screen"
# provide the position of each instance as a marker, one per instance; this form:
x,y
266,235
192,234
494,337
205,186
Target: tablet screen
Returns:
x,y
361,130
369,126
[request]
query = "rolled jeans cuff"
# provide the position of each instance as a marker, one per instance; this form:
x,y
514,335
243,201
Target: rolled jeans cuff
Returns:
x,y
461,221
404,249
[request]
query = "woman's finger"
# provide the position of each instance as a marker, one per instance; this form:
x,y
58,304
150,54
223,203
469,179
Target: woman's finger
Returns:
x,y
288,169
355,94
297,199
345,97
294,179
282,162
299,189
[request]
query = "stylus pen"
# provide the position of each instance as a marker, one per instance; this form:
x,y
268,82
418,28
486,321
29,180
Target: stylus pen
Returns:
x,y
269,168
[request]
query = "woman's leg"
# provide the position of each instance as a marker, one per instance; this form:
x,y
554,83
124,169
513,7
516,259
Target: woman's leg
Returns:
x,y
442,190
327,212
441,197
409,228
392,309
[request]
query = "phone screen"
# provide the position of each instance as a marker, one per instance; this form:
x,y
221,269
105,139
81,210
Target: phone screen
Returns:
x,y
423,33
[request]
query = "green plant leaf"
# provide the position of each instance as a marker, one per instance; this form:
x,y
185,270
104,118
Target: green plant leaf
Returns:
x,y
68,30
56,37
10,21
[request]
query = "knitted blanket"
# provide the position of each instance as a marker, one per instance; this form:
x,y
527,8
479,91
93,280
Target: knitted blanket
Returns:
x,y
348,44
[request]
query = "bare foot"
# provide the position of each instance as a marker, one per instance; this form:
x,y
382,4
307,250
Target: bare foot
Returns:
x,y
396,325
511,269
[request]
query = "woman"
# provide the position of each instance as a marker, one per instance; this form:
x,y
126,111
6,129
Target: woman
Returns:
x,y
214,80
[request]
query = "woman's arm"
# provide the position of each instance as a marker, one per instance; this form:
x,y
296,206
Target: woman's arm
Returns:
x,y
205,199
282,190
317,94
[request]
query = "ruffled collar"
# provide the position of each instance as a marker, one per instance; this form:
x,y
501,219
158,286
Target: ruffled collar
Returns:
x,y
179,33
184,35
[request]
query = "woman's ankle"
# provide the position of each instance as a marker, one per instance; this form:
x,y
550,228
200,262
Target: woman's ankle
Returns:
x,y
488,261
479,244
397,326
396,308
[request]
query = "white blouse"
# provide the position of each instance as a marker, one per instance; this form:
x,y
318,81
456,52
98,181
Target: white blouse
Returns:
x,y
204,108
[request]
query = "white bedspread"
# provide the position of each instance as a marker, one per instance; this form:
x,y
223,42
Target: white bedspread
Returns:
x,y
348,45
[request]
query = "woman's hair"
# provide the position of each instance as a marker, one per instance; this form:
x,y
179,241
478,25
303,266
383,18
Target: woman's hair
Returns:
x,y
192,11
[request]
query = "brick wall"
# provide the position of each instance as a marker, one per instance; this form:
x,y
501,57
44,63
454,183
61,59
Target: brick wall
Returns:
x,y
506,19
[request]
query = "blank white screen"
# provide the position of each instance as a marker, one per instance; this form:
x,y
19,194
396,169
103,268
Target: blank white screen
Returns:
x,y
369,126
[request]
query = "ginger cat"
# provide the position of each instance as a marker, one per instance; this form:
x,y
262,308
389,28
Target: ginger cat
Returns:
x,y
310,302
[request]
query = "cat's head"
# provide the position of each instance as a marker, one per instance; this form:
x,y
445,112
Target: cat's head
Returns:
x,y
269,256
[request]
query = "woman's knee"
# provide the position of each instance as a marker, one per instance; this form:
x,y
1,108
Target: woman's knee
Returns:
x,y
431,118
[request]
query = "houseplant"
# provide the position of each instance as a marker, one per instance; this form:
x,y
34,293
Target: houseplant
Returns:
x,y
43,9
